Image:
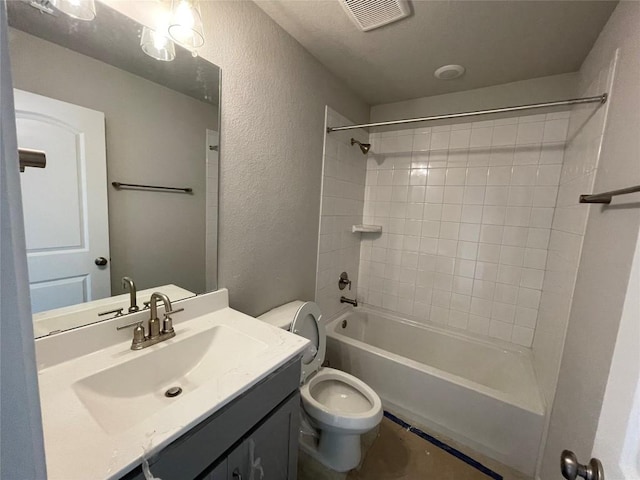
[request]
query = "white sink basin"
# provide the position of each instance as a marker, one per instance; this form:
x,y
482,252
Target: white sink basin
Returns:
x,y
122,396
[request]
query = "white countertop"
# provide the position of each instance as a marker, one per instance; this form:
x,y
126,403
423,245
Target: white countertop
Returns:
x,y
78,447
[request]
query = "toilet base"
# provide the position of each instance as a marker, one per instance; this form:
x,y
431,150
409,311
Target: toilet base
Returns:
x,y
338,452
311,467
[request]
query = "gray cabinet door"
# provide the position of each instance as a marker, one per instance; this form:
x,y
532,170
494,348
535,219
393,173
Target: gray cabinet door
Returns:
x,y
270,452
218,473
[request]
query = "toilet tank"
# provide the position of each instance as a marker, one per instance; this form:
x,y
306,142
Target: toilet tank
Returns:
x,y
283,315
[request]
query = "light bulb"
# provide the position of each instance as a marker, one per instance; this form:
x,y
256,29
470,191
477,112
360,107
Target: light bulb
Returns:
x,y
79,9
186,24
157,45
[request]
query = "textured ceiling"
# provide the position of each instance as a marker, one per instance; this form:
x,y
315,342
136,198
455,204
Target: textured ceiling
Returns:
x,y
497,41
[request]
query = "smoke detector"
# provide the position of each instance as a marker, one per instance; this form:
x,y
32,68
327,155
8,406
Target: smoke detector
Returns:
x,y
449,72
370,14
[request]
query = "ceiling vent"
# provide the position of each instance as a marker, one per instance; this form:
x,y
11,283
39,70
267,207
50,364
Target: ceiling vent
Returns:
x,y
370,14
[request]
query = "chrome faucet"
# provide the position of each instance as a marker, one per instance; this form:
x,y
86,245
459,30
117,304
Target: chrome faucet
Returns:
x,y
133,305
353,302
156,333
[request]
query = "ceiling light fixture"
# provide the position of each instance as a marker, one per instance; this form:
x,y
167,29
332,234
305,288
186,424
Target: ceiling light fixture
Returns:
x,y
186,24
79,9
449,72
157,45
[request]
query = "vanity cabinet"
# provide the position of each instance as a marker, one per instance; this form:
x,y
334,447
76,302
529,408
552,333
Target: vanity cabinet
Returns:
x,y
266,450
258,431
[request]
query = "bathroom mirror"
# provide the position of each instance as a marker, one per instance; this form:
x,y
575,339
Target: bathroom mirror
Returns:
x,y
106,114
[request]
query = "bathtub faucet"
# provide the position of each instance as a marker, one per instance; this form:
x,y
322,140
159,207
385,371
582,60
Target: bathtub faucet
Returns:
x,y
353,302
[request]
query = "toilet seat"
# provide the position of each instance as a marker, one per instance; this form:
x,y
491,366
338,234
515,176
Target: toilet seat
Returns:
x,y
336,411
306,323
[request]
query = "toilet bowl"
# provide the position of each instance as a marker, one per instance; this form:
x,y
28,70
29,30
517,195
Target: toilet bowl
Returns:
x,y
340,406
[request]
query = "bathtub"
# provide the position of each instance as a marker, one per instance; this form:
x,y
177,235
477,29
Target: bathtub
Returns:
x,y
477,393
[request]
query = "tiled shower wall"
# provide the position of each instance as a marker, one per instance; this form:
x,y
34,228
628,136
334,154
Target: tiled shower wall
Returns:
x,y
584,141
343,178
466,211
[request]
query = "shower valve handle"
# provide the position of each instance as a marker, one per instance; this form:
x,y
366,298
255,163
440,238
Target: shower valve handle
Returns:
x,y
343,281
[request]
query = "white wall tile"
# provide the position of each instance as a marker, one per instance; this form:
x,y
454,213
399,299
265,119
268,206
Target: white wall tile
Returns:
x,y
500,330
460,139
524,175
436,176
474,195
456,176
469,232
489,253
472,213
530,133
549,174
522,336
467,211
555,130
481,137
504,135
499,175
440,140
465,268
478,324
421,142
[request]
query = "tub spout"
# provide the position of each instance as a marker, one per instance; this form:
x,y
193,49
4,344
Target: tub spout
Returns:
x,y
353,302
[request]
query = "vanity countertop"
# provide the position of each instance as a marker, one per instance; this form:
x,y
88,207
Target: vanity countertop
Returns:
x,y
100,422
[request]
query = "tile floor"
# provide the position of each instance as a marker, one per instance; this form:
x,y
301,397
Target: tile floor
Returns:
x,y
402,455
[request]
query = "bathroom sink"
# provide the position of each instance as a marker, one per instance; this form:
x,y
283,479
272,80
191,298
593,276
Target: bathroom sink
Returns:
x,y
128,393
104,405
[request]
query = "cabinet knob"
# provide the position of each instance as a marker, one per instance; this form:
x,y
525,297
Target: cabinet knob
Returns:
x,y
236,474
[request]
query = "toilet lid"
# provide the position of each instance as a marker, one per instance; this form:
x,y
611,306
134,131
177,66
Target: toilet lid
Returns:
x,y
306,323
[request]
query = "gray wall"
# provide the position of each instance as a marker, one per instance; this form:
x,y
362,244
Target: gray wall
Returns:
x,y
273,98
154,135
607,252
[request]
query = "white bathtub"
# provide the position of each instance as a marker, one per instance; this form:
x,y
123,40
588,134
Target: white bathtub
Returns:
x,y
475,392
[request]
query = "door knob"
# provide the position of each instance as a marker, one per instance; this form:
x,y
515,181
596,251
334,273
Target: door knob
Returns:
x,y
571,469
101,261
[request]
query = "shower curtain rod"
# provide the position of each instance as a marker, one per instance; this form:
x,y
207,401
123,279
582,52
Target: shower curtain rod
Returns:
x,y
574,101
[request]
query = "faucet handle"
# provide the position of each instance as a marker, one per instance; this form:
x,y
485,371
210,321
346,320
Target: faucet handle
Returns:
x,y
132,324
167,323
138,334
117,311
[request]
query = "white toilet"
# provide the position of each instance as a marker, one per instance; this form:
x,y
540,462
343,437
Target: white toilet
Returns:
x,y
340,406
